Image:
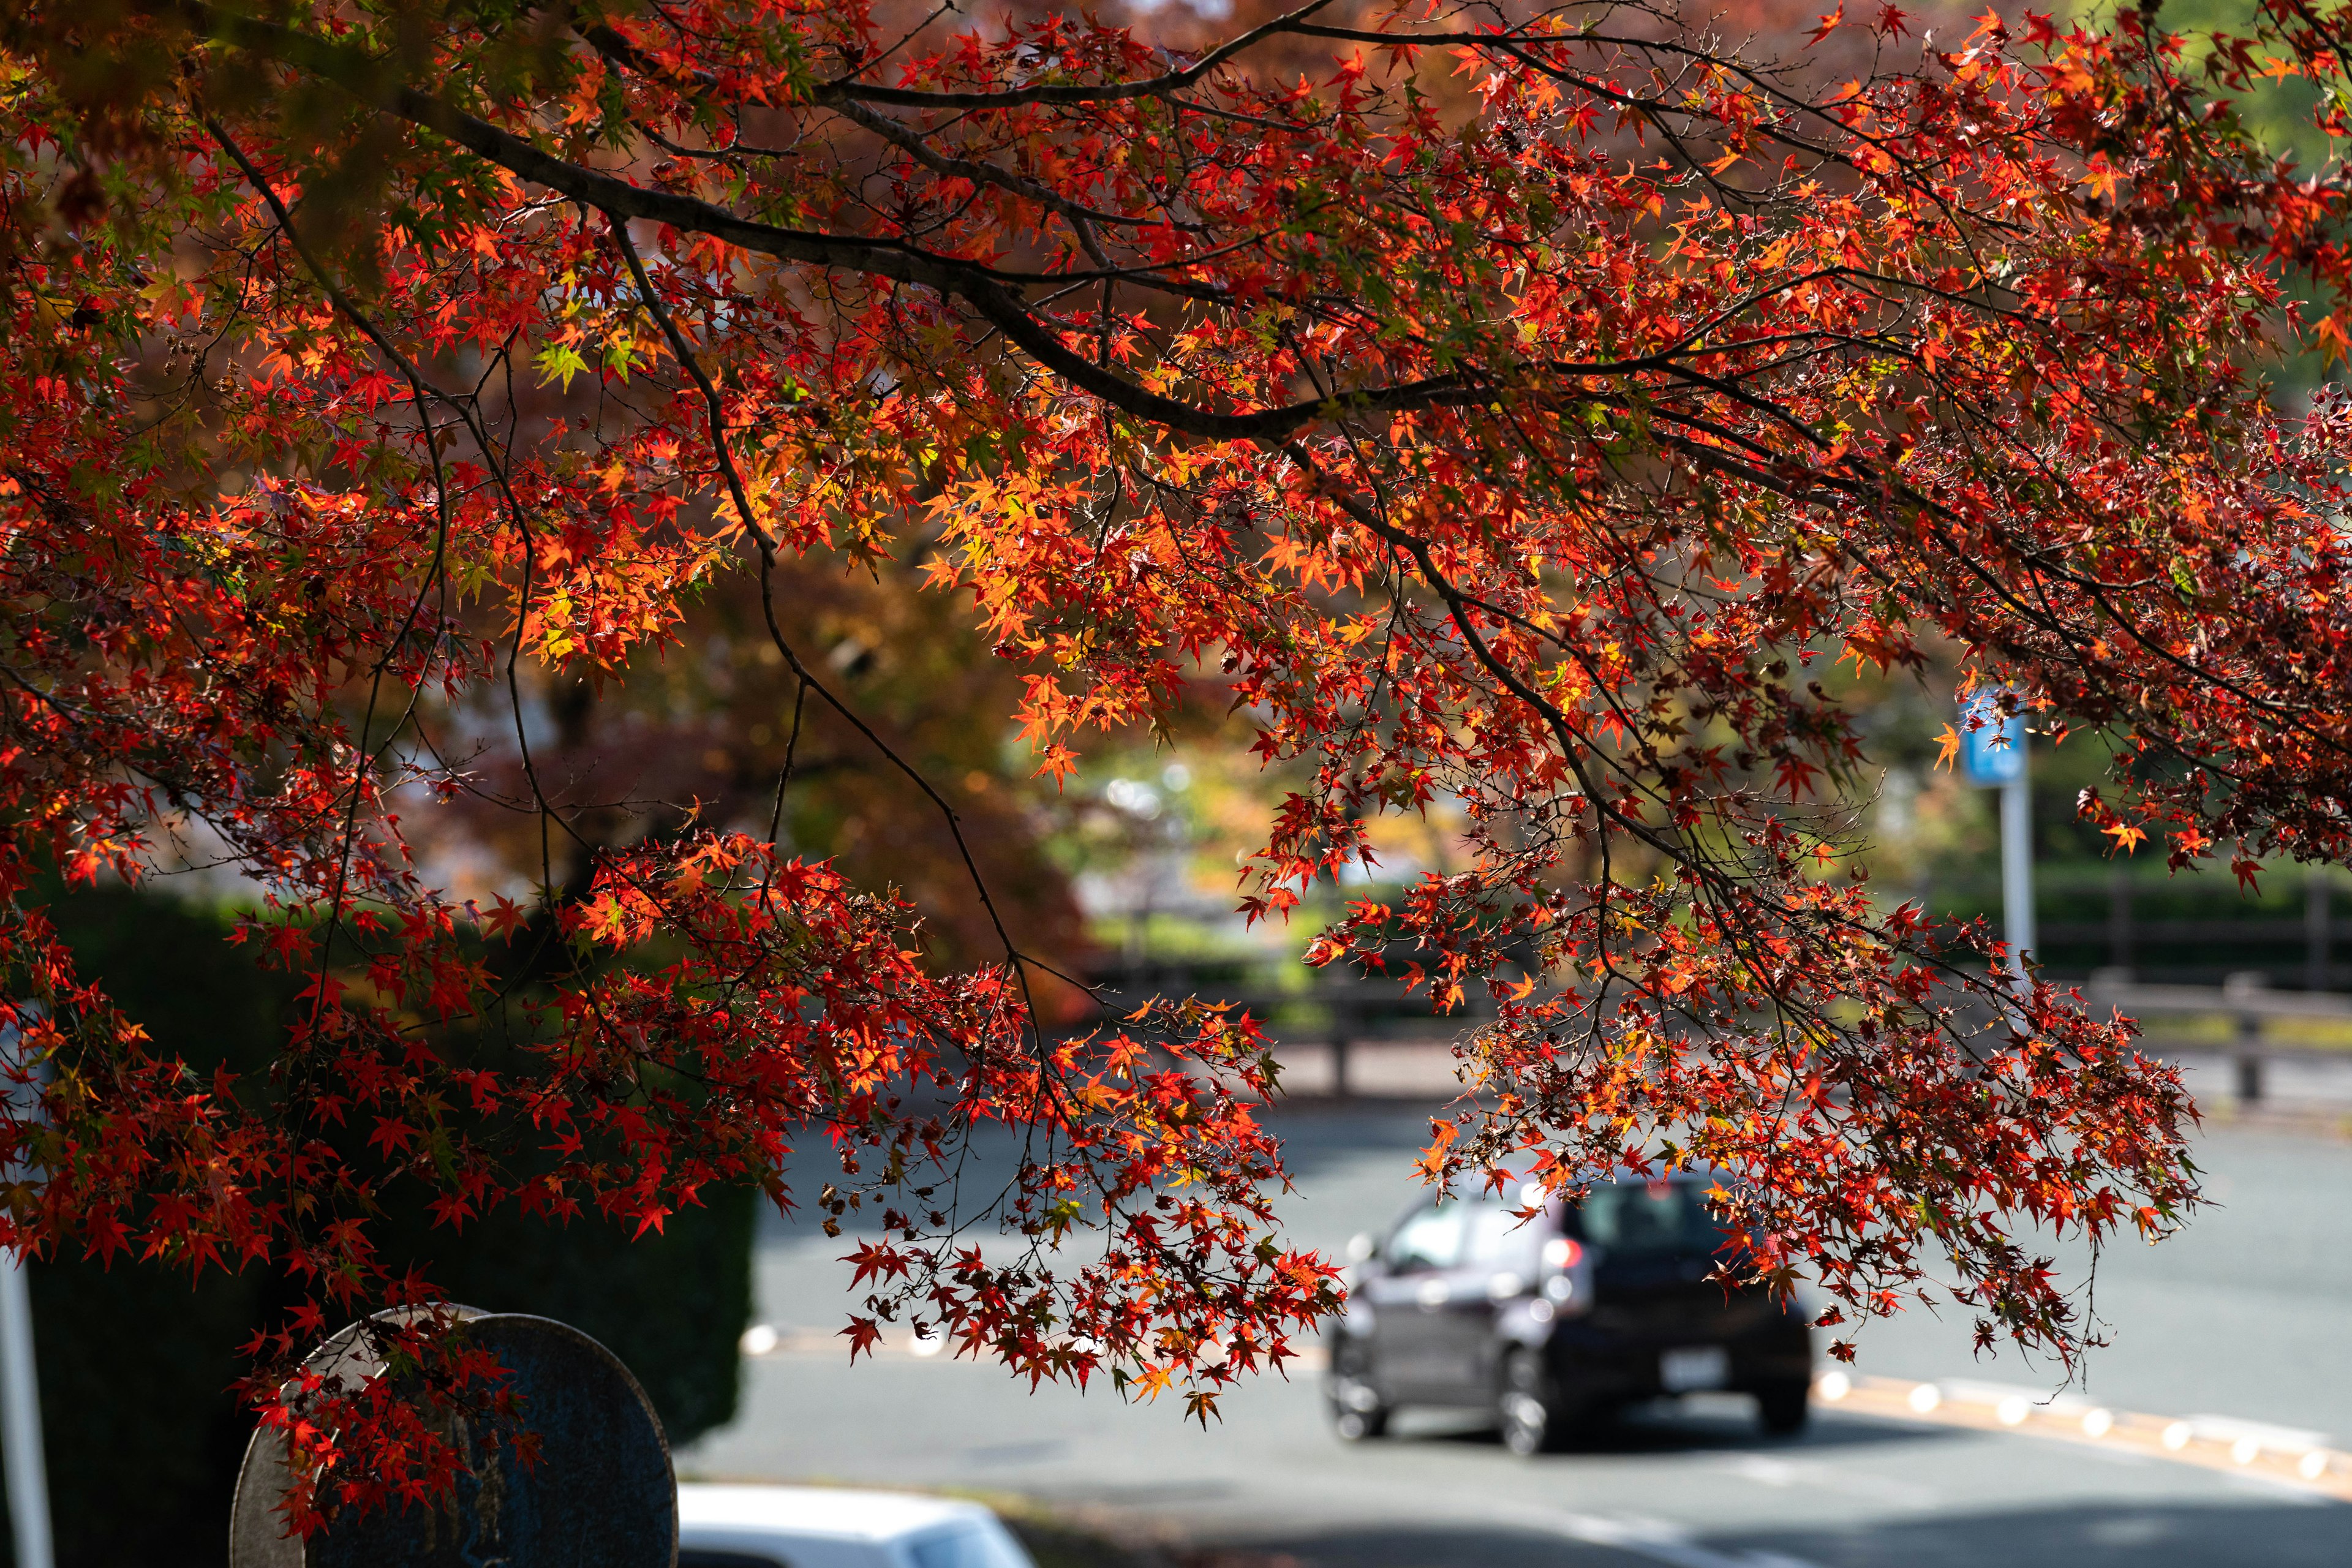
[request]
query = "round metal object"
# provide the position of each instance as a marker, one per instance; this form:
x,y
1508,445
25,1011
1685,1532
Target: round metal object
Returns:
x,y
602,1495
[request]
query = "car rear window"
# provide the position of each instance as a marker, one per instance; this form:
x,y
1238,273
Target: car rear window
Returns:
x,y
979,1543
1634,1217
1499,1238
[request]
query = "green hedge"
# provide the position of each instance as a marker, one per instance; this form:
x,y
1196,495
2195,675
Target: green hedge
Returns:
x,y
143,1441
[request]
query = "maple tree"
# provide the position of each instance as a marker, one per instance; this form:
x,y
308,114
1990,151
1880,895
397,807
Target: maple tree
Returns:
x,y
1521,406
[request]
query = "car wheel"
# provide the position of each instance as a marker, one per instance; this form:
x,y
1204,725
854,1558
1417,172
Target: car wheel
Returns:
x,y
1781,1407
1534,1418
1358,1411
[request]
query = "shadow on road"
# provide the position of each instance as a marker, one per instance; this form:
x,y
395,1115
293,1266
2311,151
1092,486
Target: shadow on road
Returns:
x,y
1721,1429
2256,1534
2251,1535
1434,1546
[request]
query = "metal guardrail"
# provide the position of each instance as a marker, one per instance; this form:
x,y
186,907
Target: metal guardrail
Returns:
x,y
2239,997
1369,1013
1358,1013
2247,998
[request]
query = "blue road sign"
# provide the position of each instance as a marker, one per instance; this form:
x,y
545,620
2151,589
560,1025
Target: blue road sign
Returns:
x,y
1994,752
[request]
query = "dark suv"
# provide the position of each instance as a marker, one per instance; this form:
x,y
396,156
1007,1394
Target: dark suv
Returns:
x,y
1553,1321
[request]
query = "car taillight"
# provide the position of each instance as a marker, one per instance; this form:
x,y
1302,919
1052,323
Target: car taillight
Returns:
x,y
1562,1252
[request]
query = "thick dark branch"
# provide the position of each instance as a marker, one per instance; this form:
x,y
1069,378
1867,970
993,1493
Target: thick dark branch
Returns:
x,y
987,292
993,294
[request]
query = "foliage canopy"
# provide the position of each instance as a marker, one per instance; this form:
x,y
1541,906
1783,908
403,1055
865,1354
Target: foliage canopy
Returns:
x,y
1515,404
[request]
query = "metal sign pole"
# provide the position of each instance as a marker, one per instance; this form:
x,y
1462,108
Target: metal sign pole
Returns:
x,y
1994,753
20,1422
2017,867
20,1392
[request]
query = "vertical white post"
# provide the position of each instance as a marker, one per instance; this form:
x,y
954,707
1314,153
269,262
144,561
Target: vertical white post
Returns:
x,y
1995,749
28,1471
20,1421
2017,866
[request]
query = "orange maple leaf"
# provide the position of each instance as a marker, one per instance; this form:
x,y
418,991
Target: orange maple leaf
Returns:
x,y
2334,345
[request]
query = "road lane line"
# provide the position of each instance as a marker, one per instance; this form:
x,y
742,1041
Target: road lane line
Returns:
x,y
2282,1455
1652,1538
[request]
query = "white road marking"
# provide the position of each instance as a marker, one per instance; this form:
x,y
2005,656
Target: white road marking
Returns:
x,y
1764,1472
1653,1539
1768,1471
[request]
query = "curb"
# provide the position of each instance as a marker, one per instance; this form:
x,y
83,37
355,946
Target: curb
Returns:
x,y
2292,1457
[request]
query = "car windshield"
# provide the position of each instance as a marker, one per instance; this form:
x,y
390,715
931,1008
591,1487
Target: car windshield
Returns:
x,y
1431,1239
981,1543
1629,1217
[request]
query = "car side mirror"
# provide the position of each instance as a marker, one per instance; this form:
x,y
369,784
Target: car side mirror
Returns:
x,y
1360,1247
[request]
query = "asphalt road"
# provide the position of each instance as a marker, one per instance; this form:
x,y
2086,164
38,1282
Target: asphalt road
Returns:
x,y
2244,1317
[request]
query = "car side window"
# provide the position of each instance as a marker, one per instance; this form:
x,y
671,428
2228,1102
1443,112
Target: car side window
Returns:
x,y
982,1543
1431,1239
701,1557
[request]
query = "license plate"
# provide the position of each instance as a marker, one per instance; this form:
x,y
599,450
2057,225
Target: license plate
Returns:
x,y
1686,1371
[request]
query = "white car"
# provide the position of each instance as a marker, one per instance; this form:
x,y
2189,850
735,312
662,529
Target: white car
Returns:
x,y
820,1527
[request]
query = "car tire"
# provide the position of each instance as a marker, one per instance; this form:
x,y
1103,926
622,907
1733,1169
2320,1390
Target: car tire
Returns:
x,y
1358,1412
1781,1407
1534,1416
